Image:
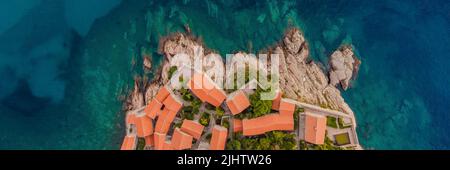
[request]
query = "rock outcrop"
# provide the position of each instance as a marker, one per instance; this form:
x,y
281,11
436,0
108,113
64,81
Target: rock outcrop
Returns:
x,y
153,87
136,99
147,62
344,66
304,80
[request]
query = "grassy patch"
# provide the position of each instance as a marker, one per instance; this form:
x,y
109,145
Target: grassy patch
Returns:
x,y
331,122
342,139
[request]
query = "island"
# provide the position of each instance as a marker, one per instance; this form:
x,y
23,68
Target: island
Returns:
x,y
183,107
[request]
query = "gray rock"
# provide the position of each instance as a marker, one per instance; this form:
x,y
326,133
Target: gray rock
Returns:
x,y
344,66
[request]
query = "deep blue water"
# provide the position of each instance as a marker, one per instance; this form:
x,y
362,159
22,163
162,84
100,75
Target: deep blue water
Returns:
x,y
62,70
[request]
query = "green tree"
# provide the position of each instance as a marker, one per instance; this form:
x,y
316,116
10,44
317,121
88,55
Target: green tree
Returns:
x,y
225,123
264,144
204,120
234,145
186,95
259,107
172,70
140,144
196,103
219,112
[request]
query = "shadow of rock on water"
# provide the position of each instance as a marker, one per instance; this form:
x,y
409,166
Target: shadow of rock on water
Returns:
x,y
24,102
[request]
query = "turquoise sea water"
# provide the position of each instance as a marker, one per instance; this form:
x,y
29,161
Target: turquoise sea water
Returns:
x,y
67,94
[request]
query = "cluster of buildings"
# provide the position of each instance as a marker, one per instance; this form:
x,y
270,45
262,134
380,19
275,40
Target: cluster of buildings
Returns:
x,y
154,122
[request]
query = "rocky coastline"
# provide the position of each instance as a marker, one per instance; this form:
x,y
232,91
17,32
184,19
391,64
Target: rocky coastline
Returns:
x,y
301,79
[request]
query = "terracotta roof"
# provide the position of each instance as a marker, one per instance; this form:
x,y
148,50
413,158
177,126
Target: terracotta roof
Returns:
x,y
149,140
206,90
153,108
163,113
181,140
208,83
201,94
237,102
277,100
162,94
237,125
144,126
129,143
130,118
315,126
197,82
287,107
218,138
217,96
167,146
192,128
267,123
159,141
173,103
164,121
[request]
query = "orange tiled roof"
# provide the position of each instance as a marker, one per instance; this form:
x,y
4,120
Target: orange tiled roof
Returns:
x,y
166,98
164,121
237,102
162,94
159,140
163,113
217,96
181,140
129,143
201,94
205,89
267,123
192,128
130,118
144,126
277,100
149,140
167,146
315,126
173,103
237,125
287,107
153,108
218,138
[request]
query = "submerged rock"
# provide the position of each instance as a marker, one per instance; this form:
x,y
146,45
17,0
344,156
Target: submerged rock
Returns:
x,y
147,63
344,66
293,40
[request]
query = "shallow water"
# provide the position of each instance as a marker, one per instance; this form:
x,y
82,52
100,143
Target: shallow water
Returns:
x,y
400,97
